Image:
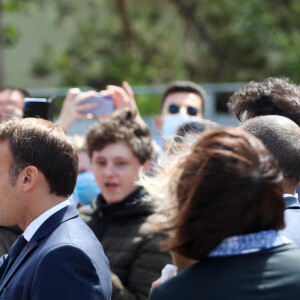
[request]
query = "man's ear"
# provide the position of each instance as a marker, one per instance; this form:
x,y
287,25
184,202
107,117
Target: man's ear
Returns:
x,y
28,178
158,123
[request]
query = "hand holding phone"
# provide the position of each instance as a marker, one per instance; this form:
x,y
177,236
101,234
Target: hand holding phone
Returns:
x,y
105,105
80,105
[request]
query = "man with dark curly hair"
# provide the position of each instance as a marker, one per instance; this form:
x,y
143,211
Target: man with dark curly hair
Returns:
x,y
272,96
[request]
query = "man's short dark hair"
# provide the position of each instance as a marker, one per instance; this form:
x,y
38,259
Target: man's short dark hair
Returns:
x,y
184,87
12,89
122,126
194,127
282,137
273,96
40,143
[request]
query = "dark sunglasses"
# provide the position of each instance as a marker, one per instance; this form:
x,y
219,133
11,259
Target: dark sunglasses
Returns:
x,y
174,109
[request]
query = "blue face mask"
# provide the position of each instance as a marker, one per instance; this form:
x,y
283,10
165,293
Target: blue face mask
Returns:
x,y
86,188
173,122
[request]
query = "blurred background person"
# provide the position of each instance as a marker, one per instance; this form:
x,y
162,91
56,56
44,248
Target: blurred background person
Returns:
x,y
74,107
225,207
119,147
187,133
272,96
11,102
86,188
181,102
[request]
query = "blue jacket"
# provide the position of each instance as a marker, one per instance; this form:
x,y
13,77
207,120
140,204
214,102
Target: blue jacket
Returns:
x,y
63,260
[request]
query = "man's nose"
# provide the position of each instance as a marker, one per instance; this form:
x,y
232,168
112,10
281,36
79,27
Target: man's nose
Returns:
x,y
183,110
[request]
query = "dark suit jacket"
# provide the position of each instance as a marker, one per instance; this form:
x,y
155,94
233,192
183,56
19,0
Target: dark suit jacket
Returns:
x,y
63,260
8,236
267,274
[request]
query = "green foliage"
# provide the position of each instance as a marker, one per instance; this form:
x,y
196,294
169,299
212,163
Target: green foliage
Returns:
x,y
150,42
10,35
101,54
42,66
9,6
240,40
148,104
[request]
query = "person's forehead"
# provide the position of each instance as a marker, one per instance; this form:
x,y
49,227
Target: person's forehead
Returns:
x,y
118,149
15,96
5,94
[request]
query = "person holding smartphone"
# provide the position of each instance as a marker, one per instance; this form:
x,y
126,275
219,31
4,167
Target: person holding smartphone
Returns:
x,y
80,105
11,102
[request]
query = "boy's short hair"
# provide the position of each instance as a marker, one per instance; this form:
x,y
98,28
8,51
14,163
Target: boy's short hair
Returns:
x,y
122,126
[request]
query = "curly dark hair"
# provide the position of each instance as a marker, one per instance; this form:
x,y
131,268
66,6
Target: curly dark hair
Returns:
x,y
121,126
273,96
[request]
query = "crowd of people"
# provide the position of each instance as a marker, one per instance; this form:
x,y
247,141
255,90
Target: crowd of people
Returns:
x,y
100,216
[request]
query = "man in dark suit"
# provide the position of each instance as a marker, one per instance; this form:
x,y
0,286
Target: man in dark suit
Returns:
x,y
57,256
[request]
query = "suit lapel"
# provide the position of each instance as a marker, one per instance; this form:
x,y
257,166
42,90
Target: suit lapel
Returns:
x,y
55,220
14,267
46,228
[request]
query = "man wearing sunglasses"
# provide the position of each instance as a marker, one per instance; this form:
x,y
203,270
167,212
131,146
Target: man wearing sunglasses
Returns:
x,y
182,102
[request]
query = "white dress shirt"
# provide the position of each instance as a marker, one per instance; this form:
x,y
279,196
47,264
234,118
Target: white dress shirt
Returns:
x,y
36,223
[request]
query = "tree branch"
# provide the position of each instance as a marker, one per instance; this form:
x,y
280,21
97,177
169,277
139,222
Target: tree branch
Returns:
x,y
121,4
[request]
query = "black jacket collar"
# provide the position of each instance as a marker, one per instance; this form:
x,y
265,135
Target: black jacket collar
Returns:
x,y
133,205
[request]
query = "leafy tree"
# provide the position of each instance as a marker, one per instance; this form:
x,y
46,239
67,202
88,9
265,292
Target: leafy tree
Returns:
x,y
120,40
8,33
149,42
240,40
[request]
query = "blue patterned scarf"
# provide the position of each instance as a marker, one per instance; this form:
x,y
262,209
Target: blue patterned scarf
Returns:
x,y
247,243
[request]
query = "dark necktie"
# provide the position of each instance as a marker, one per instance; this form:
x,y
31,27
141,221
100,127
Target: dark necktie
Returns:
x,y
16,249
14,252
